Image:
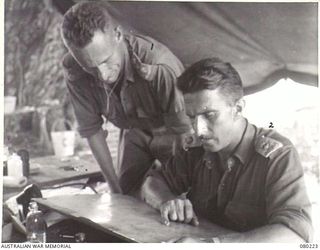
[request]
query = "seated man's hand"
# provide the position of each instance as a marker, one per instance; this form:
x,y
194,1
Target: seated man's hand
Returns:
x,y
179,210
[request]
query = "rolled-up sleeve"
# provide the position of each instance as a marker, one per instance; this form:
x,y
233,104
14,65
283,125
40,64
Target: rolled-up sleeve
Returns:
x,y
164,68
86,111
170,99
286,197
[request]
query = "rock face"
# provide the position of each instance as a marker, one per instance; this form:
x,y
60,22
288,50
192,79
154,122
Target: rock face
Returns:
x,y
33,52
33,70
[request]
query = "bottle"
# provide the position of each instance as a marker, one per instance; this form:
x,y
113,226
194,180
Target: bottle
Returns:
x,y
35,224
24,155
15,166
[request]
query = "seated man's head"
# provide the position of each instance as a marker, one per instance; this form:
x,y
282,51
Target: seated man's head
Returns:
x,y
94,39
213,97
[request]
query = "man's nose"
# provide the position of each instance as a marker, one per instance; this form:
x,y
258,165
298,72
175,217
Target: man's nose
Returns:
x,y
200,126
104,72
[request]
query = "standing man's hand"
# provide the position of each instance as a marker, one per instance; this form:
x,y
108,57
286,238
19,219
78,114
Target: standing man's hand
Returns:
x,y
179,210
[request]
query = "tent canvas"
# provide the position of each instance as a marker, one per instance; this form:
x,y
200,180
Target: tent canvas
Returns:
x,y
265,42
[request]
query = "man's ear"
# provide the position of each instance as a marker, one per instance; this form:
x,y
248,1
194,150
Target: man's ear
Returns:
x,y
239,106
118,34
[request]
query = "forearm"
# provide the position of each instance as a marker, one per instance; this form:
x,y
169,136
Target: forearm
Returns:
x,y
101,152
267,234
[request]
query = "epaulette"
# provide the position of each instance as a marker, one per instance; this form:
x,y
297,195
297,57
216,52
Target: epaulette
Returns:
x,y
267,146
146,71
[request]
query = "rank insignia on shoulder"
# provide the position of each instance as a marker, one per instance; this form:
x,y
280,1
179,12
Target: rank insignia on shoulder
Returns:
x,y
266,145
146,71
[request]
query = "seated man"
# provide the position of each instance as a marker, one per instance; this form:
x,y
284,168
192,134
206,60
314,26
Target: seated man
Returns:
x,y
244,178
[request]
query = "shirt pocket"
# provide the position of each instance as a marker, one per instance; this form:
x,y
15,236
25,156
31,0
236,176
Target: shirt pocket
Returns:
x,y
132,104
147,105
243,216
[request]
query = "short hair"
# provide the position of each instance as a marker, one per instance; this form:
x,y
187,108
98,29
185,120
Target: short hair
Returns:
x,y
212,73
82,20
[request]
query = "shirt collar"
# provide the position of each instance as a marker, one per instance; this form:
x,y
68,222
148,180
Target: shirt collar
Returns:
x,y
244,150
128,76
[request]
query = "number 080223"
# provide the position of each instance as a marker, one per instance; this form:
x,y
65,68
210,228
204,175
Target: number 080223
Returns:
x,y
308,245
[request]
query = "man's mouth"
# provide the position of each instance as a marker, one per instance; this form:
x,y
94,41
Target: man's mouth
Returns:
x,y
208,140
111,78
203,138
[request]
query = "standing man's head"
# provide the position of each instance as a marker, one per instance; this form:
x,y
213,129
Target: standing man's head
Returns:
x,y
94,39
213,97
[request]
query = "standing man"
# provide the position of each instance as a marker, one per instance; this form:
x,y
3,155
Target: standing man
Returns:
x,y
244,178
130,80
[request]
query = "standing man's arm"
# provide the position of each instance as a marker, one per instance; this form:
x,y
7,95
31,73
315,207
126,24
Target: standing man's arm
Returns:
x,y
162,75
101,152
88,115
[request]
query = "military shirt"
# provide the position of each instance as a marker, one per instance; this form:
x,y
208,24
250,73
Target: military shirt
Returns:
x,y
262,184
146,104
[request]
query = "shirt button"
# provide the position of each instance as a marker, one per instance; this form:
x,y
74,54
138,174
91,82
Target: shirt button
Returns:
x,y
230,163
208,164
265,146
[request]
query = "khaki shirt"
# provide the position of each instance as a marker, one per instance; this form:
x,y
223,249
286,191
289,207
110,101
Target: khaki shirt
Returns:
x,y
263,184
145,104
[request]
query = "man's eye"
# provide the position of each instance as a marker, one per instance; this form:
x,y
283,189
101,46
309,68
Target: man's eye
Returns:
x,y
104,64
211,115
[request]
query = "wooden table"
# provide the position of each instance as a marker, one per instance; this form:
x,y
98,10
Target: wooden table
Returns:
x,y
125,217
50,170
